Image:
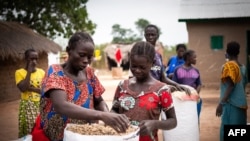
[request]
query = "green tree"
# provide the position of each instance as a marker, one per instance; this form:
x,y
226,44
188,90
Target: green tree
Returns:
x,y
123,35
128,36
119,32
49,18
140,26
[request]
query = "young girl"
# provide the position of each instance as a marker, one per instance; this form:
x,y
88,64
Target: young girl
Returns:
x,y
187,74
142,97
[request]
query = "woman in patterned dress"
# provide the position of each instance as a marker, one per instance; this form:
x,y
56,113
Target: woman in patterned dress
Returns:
x,y
142,97
28,81
71,93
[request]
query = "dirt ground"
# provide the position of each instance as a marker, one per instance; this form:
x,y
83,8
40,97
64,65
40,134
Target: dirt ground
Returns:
x,y
209,123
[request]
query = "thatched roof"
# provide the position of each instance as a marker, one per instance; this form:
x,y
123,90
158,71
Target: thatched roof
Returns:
x,y
15,38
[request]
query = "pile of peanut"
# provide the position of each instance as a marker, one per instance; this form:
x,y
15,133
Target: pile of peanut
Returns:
x,y
96,129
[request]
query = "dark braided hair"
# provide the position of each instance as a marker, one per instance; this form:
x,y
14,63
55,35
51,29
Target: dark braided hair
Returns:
x,y
187,54
233,48
145,49
27,53
78,36
151,25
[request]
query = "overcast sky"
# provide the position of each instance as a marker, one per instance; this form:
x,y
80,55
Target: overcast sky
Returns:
x,y
163,13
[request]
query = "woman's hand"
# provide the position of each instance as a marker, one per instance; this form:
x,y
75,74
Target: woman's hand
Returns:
x,y
146,127
219,110
31,66
170,76
119,122
183,88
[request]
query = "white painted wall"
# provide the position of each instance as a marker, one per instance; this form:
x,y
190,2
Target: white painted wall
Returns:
x,y
53,58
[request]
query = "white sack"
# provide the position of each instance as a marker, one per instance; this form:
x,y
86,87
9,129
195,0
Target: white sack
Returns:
x,y
71,136
187,128
25,138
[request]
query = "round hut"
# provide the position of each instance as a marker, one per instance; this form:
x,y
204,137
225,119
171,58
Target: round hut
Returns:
x,y
110,51
15,38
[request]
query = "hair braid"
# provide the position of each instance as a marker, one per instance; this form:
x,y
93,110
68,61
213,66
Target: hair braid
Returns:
x,y
145,49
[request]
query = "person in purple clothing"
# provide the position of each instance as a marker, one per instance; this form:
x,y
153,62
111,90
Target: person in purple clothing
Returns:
x,y
187,74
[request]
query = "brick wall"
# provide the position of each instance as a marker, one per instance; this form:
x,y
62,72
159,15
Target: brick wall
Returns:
x,y
209,61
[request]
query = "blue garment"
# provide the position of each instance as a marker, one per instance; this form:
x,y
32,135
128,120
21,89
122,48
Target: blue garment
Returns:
x,y
157,68
173,62
199,106
243,70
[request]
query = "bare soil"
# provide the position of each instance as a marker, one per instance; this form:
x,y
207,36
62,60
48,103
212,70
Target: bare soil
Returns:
x,y
209,123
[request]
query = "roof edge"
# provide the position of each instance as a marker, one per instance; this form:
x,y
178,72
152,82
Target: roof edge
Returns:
x,y
239,19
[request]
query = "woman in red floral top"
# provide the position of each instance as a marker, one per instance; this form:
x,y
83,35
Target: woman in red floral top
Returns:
x,y
142,97
71,93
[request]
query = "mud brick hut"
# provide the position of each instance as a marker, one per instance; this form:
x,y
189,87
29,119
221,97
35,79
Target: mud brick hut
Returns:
x,y
110,55
211,25
15,38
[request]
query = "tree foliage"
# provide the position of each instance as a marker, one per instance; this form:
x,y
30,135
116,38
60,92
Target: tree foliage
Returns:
x,y
123,35
128,36
47,17
140,26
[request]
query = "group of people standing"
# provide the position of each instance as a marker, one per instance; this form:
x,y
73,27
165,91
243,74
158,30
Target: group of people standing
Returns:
x,y
72,93
232,106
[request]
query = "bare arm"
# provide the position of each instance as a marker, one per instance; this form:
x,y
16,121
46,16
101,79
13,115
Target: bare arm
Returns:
x,y
170,122
224,99
198,89
173,83
147,126
228,90
59,99
25,83
63,107
167,80
34,89
100,104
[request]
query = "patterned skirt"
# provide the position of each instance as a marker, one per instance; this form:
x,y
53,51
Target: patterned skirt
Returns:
x,y
28,111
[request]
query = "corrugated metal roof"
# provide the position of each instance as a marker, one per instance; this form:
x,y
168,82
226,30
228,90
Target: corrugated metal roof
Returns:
x,y
213,9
